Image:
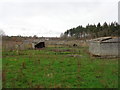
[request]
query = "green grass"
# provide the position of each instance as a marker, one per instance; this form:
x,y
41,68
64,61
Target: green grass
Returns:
x,y
46,68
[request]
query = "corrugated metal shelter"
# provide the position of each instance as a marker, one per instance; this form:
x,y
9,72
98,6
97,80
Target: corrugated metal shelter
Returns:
x,y
40,45
29,44
105,46
36,44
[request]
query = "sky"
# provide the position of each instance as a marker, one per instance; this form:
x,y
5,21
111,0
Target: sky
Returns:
x,y
50,18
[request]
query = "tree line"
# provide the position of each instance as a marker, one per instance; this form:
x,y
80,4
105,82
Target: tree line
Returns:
x,y
93,31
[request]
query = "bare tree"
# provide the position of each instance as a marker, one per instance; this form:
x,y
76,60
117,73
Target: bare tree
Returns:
x,y
2,33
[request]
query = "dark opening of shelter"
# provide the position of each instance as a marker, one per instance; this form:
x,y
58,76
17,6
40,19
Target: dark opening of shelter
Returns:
x,y
40,45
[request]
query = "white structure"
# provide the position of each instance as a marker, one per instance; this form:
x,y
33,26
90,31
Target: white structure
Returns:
x,y
105,46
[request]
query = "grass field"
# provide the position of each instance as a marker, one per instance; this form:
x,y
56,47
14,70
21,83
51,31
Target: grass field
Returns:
x,y
58,67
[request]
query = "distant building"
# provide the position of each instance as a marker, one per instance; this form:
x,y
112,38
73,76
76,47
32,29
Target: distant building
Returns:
x,y
105,46
38,43
32,44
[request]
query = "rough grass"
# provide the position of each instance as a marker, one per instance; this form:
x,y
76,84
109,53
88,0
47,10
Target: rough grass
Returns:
x,y
48,68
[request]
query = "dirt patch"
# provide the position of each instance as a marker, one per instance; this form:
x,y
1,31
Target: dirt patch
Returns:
x,y
64,50
104,57
74,55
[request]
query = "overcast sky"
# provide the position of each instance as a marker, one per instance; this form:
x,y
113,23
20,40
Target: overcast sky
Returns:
x,y
53,17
